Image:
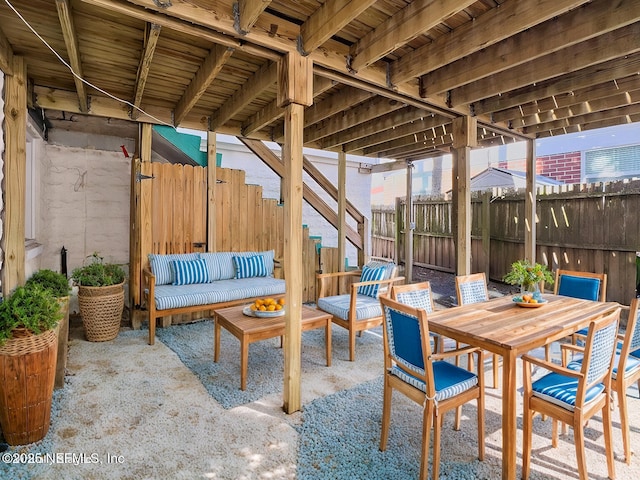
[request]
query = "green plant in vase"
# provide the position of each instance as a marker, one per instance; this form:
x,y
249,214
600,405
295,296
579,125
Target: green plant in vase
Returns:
x,y
529,276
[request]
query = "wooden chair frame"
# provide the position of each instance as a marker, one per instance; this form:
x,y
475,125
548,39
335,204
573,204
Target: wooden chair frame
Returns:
x,y
582,412
433,412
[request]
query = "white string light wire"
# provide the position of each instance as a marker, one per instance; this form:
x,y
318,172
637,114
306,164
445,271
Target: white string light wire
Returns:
x,y
62,60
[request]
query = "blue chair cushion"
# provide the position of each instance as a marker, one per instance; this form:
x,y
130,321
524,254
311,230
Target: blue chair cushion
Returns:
x,y
579,287
338,305
636,353
561,390
633,363
369,275
449,379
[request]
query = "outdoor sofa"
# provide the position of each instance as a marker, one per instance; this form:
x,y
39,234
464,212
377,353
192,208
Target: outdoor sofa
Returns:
x,y
195,282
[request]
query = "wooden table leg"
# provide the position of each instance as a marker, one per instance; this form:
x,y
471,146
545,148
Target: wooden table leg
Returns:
x,y
244,361
327,341
216,340
509,417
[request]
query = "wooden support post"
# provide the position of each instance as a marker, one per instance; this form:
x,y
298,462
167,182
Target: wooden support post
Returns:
x,y
398,230
409,227
295,91
464,137
212,180
15,175
486,232
363,231
342,209
530,204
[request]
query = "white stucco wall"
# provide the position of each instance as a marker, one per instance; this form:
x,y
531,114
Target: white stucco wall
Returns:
x,y
1,161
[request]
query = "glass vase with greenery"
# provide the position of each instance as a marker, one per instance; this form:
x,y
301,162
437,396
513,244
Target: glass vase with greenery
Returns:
x,y
529,276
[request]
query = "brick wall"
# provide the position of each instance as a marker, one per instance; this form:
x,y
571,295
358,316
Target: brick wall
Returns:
x,y
564,167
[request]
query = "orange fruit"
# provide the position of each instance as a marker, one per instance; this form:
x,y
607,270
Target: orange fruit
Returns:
x,y
262,308
281,301
526,298
271,308
533,300
278,307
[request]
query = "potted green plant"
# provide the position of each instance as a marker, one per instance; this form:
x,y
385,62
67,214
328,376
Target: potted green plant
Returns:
x,y
100,297
529,276
28,350
58,285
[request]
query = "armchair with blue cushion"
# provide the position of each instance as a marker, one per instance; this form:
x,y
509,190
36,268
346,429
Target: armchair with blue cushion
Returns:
x,y
574,393
359,309
427,378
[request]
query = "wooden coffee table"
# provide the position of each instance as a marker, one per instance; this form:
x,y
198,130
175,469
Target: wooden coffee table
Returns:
x,y
251,329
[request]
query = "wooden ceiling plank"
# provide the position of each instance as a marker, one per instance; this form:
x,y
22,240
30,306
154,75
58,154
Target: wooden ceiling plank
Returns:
x,y
71,42
416,18
495,25
271,112
574,27
609,46
588,118
328,20
265,77
6,55
207,72
410,128
248,13
365,112
385,122
603,72
403,140
417,148
151,35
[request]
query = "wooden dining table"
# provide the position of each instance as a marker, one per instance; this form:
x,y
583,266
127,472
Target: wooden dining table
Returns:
x,y
500,326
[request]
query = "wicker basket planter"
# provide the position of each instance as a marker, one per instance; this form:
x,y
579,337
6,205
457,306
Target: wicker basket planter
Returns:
x,y
101,310
27,375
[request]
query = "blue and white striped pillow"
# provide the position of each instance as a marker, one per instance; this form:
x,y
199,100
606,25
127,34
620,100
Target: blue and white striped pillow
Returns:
x,y
161,265
189,271
368,275
252,266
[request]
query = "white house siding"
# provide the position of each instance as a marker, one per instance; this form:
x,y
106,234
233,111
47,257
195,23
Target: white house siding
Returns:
x,y
358,187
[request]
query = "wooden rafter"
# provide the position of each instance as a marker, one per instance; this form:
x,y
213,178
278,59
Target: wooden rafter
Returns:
x,y
327,20
584,78
416,18
576,26
587,118
609,46
71,42
207,72
265,77
248,12
512,17
151,35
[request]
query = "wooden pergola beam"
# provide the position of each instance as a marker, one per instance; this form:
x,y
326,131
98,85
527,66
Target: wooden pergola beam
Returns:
x,y
593,52
6,55
576,26
417,17
151,35
329,19
265,77
512,17
207,72
247,13
71,42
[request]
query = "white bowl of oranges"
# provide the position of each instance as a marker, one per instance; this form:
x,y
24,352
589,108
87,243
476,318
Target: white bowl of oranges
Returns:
x,y
265,307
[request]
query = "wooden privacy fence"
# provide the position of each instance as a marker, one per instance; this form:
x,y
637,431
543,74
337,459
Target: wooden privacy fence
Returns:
x,y
593,227
170,215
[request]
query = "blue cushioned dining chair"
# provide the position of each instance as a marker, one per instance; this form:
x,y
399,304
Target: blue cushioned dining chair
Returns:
x,y
574,393
426,378
584,285
473,289
359,309
418,295
624,361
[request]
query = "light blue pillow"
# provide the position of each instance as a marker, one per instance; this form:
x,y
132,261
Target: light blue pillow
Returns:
x,y
368,275
253,266
187,272
161,265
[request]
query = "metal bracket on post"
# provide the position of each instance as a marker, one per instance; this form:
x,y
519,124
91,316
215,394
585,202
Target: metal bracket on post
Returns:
x,y
140,177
